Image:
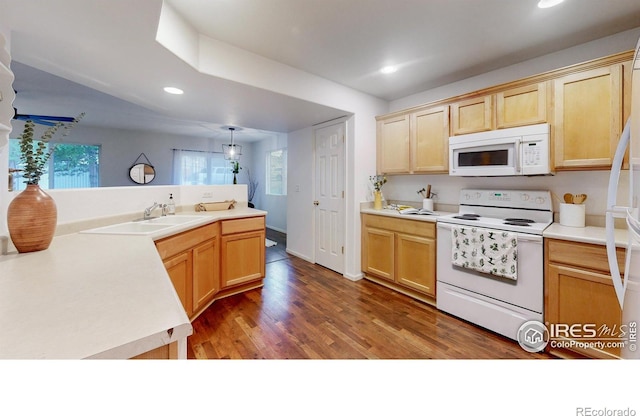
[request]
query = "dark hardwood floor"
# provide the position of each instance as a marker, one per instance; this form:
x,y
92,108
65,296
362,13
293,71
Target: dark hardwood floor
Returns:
x,y
307,311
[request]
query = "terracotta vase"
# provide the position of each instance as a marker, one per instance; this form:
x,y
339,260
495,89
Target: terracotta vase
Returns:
x,y
377,200
31,219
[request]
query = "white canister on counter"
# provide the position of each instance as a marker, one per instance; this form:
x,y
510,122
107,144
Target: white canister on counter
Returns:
x,y
427,203
572,215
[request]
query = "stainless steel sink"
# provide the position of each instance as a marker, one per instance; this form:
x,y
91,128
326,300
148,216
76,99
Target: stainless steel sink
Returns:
x,y
146,227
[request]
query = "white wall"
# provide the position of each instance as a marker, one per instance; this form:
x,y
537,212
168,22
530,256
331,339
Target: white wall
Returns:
x,y
300,192
620,42
120,148
275,205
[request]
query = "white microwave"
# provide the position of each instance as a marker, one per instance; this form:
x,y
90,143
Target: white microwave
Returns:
x,y
516,151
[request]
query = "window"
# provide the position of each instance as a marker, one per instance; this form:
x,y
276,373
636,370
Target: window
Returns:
x,y
276,173
73,165
193,167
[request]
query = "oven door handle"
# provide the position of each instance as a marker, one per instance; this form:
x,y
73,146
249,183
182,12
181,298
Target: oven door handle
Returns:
x,y
521,237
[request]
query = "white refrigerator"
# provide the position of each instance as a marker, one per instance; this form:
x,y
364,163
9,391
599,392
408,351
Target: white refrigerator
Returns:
x,y
627,283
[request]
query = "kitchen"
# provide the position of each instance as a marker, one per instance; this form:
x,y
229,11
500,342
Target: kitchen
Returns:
x,y
403,188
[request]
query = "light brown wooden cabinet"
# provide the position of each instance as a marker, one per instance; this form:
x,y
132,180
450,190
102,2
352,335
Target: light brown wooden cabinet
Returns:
x,y
400,254
242,251
393,145
192,262
510,107
586,105
521,106
588,108
579,290
472,115
416,142
429,139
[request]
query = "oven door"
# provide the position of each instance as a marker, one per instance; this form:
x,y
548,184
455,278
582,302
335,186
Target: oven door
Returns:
x,y
492,157
525,292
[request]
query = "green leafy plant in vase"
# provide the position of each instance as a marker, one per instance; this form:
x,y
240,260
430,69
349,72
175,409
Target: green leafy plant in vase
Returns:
x,y
235,169
377,181
32,215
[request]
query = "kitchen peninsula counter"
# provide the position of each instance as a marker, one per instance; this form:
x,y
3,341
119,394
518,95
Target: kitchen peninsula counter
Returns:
x,y
93,296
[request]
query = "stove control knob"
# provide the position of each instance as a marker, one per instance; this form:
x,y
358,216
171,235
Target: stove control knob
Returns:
x,y
478,195
525,197
540,200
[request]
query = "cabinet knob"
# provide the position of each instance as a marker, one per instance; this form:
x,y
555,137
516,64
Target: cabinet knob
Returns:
x,y
316,203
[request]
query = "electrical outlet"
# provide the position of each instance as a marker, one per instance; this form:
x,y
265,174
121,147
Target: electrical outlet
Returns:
x,y
297,188
207,195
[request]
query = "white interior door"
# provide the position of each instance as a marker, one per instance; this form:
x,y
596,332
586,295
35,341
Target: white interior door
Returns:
x,y
329,197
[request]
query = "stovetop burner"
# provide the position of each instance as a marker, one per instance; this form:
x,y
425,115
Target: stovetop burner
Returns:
x,y
518,223
471,217
520,220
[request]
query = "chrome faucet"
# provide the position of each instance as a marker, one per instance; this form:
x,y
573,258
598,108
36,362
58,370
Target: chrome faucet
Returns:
x,y
147,211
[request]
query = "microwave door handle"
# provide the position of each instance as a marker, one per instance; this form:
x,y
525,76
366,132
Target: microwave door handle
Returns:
x,y
517,155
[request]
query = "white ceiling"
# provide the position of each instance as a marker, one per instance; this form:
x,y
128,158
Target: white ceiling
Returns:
x,y
109,45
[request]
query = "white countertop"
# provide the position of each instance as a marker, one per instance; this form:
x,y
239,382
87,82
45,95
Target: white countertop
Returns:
x,y
592,235
93,296
393,213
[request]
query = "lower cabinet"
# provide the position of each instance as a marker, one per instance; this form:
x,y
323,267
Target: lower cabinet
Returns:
x,y
242,251
214,261
400,254
580,301
192,260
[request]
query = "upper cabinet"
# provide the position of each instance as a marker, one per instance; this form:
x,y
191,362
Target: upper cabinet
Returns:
x,y
522,106
588,118
430,140
586,105
472,115
393,145
416,142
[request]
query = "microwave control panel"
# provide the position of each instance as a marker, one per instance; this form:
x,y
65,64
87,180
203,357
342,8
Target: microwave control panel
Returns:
x,y
532,154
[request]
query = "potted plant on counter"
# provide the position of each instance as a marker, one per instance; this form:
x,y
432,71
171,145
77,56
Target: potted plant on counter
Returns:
x,y
32,215
377,181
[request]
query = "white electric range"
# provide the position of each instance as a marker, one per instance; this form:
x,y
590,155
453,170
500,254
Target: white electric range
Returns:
x,y
499,302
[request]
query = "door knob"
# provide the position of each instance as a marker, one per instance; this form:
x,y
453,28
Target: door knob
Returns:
x,y
316,203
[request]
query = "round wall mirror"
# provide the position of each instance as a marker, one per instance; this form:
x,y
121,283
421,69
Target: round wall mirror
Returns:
x,y
142,173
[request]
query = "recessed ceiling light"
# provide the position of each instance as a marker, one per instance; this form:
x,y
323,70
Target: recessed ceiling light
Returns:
x,y
173,90
388,69
545,4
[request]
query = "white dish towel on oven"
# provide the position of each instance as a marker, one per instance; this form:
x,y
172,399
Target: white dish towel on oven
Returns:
x,y
484,250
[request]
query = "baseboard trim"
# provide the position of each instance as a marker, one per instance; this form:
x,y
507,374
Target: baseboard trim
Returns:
x,y
353,277
302,256
276,229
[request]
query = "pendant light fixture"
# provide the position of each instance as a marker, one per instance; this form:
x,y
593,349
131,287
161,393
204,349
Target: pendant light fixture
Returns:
x,y
232,151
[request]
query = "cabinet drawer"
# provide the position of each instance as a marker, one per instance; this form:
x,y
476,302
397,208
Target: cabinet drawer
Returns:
x,y
582,255
242,225
415,227
173,245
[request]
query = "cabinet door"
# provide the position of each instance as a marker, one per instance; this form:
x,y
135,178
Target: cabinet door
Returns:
x,y
393,145
180,269
472,115
521,106
430,140
206,277
378,253
243,258
588,118
578,296
416,263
